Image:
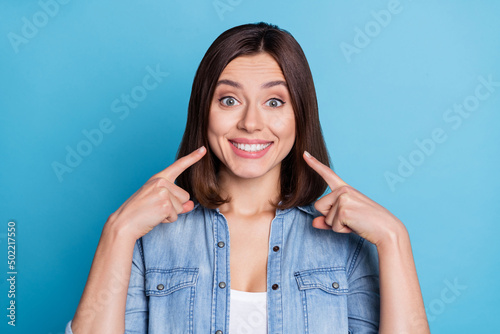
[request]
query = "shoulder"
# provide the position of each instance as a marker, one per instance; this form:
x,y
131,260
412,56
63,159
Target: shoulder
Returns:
x,y
356,252
177,243
309,210
187,224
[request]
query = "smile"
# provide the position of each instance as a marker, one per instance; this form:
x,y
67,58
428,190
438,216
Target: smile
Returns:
x,y
250,147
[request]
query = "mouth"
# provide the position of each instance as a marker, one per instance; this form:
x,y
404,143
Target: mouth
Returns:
x,y
250,148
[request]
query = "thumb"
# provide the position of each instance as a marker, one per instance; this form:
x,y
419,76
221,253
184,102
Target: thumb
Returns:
x,y
188,206
319,222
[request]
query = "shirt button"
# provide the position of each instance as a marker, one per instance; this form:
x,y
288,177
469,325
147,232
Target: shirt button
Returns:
x,y
218,332
275,286
220,244
335,285
160,287
222,285
276,248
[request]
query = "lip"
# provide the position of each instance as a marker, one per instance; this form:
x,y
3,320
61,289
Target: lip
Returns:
x,y
249,155
249,141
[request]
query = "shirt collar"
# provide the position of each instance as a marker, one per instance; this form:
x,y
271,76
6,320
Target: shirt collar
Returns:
x,y
309,209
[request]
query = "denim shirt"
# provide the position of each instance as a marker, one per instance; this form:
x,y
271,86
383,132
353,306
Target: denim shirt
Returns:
x,y
318,281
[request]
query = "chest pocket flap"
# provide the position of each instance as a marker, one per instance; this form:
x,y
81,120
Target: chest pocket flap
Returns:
x,y
332,280
161,282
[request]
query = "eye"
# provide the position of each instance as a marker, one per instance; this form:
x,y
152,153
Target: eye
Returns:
x,y
228,101
274,103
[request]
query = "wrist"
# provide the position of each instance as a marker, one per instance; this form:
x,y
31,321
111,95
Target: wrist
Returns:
x,y
118,230
394,237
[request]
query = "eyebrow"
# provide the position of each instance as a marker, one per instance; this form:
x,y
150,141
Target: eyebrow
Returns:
x,y
274,83
228,82
237,85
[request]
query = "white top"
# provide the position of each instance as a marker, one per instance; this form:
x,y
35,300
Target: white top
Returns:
x,y
248,312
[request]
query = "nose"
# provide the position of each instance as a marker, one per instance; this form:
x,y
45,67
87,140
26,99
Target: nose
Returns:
x,y
251,119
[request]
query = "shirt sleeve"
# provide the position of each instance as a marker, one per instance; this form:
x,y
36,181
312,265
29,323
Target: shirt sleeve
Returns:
x,y
363,300
68,328
136,312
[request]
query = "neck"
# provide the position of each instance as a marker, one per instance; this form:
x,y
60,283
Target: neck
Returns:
x,y
250,197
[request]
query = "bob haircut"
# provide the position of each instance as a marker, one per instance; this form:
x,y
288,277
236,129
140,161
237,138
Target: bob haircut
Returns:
x,y
299,184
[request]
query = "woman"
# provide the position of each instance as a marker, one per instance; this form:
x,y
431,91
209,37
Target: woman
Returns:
x,y
242,248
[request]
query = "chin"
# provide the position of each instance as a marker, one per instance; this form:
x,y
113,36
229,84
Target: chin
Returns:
x,y
249,174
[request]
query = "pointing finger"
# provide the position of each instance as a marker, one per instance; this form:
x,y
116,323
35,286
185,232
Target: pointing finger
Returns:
x,y
174,170
332,179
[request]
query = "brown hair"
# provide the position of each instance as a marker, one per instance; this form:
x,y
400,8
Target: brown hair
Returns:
x,y
300,184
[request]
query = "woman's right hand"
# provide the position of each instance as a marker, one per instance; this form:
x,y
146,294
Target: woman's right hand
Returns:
x,y
159,200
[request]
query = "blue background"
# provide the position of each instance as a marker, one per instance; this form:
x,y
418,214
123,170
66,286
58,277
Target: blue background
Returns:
x,y
374,104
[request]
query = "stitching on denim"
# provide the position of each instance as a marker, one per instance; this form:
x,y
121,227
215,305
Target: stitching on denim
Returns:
x,y
169,291
324,287
228,277
300,272
141,252
193,272
355,257
215,219
173,270
281,226
191,309
306,318
216,263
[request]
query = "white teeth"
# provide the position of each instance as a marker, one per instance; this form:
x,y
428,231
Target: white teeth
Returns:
x,y
250,148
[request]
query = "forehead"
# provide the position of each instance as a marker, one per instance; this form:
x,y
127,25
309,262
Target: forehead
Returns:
x,y
261,65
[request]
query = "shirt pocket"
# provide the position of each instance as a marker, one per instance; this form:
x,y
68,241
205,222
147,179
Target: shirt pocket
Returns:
x,y
171,295
323,294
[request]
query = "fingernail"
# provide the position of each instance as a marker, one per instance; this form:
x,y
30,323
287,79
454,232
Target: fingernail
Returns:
x,y
201,149
307,154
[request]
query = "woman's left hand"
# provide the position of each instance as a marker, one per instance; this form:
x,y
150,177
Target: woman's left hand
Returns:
x,y
347,210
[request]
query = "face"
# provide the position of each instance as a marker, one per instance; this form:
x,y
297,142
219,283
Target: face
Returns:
x,y
251,126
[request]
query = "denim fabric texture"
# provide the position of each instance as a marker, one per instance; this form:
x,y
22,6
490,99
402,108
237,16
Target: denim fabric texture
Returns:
x,y
318,281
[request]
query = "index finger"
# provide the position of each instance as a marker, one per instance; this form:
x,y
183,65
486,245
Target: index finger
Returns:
x,y
332,179
174,170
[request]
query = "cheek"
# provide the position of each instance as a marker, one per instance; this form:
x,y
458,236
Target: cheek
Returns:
x,y
217,129
284,127
212,139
